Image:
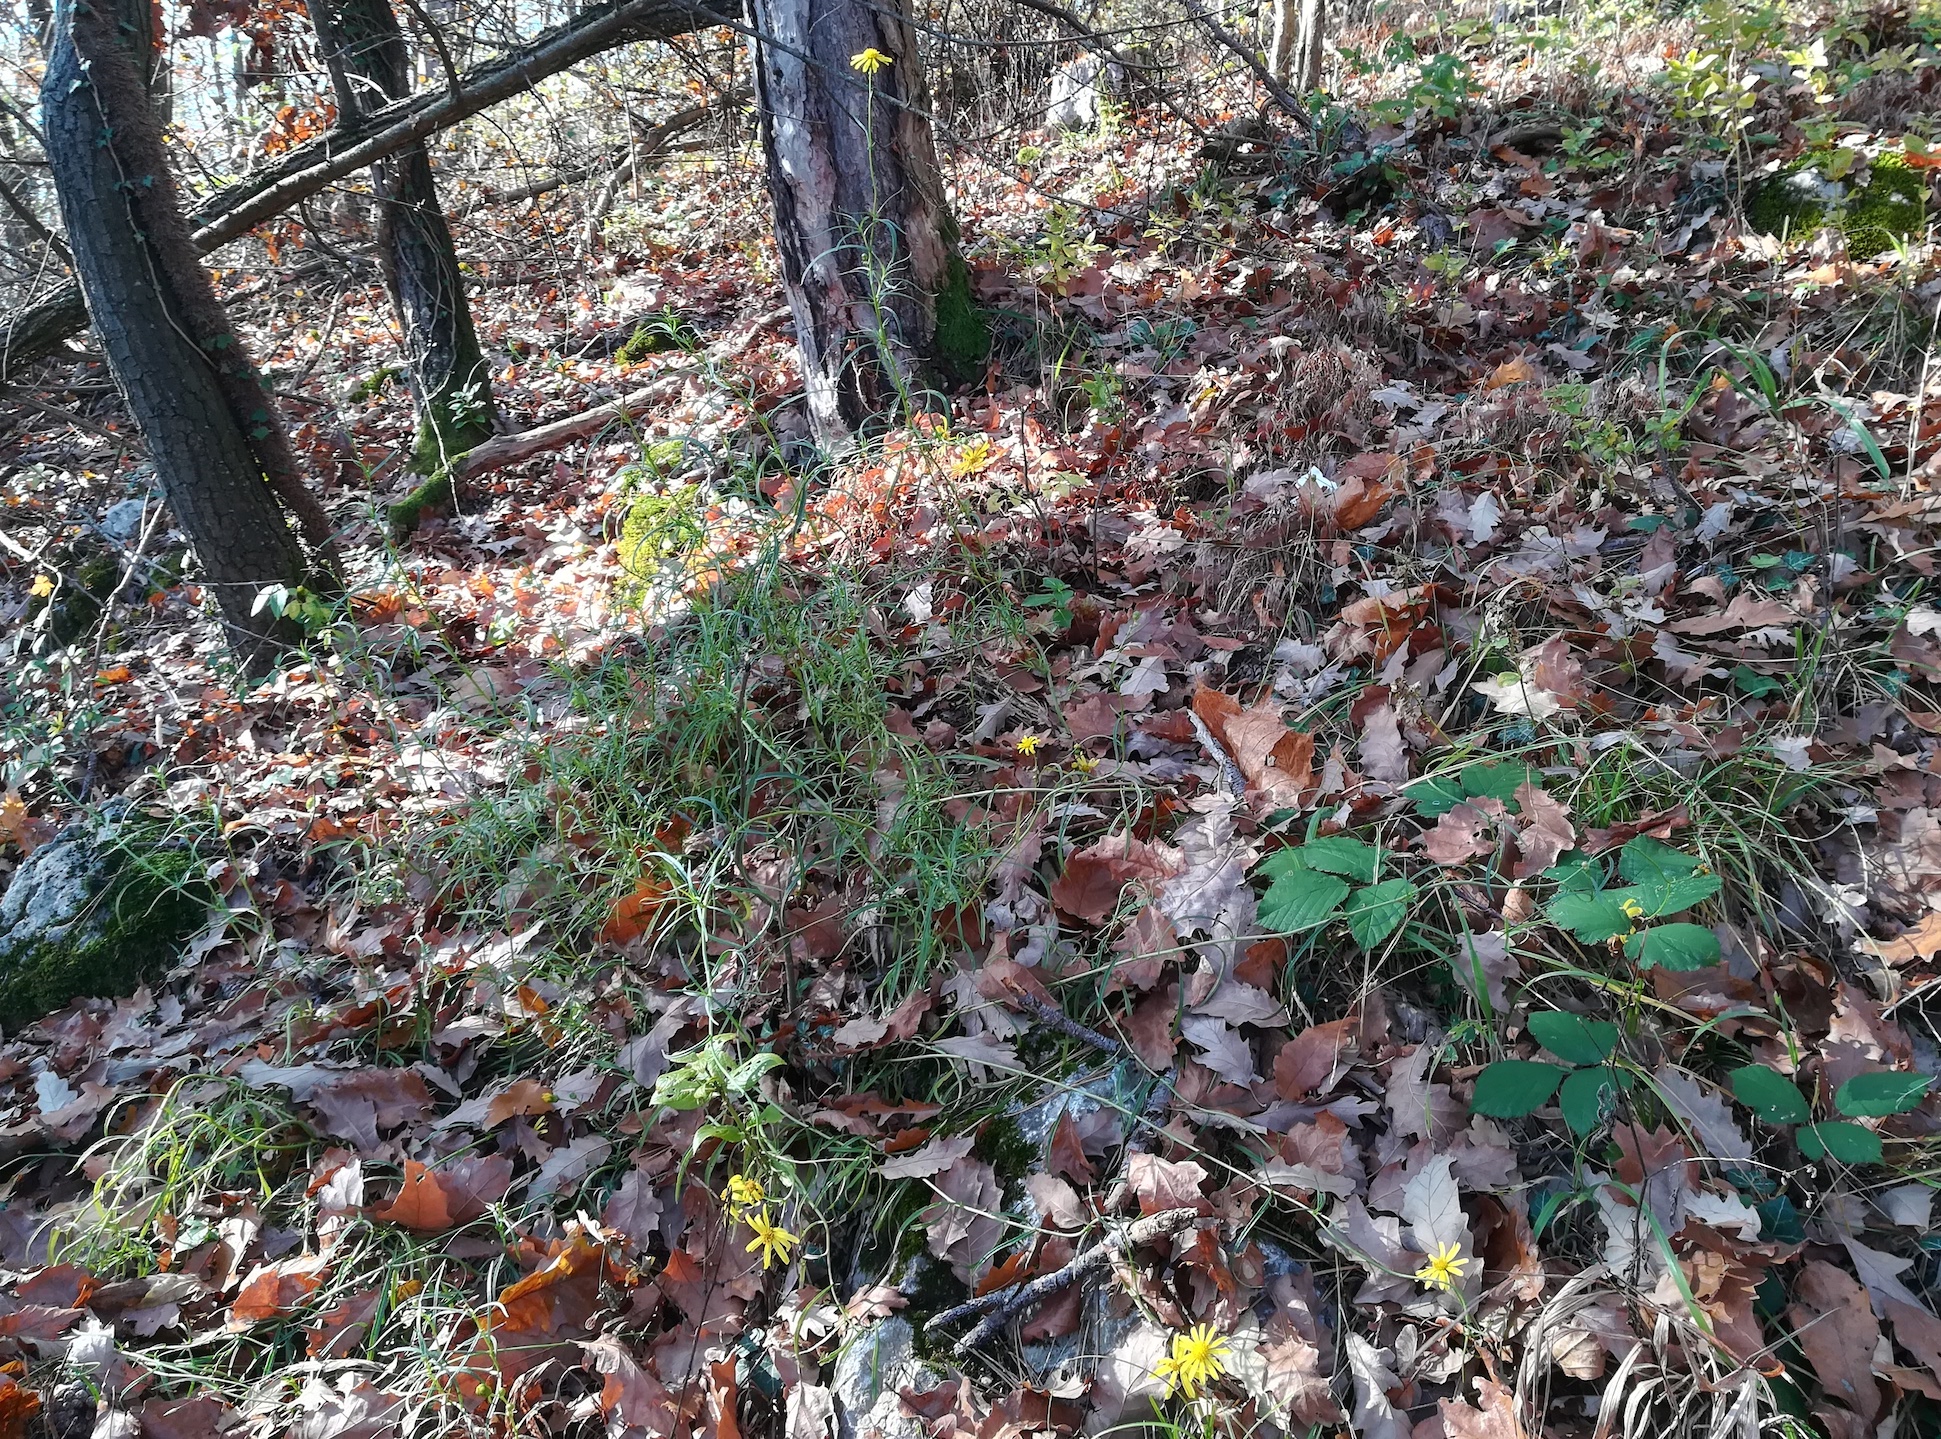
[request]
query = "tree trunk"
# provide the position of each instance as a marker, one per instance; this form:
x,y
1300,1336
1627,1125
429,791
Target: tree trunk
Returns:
x,y
450,382
868,248
1300,27
209,424
237,208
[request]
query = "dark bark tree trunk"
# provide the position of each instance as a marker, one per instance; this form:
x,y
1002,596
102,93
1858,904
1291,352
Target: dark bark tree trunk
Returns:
x,y
209,423
450,382
868,248
237,208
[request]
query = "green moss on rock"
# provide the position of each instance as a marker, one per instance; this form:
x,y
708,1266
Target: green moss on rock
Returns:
x,y
666,331
97,910
1890,207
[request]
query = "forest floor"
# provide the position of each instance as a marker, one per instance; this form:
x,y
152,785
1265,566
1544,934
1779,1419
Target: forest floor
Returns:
x,y
1400,726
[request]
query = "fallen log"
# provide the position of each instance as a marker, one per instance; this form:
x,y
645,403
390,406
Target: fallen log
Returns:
x,y
502,450
236,209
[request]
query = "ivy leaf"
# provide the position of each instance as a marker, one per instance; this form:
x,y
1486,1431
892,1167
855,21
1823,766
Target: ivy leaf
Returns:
x,y
1573,1038
1674,946
1283,862
1848,1143
1373,914
1512,1088
1301,899
1344,855
1593,918
1586,1096
1874,1095
1770,1095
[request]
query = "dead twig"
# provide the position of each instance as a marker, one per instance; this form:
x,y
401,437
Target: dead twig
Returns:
x,y
1001,1307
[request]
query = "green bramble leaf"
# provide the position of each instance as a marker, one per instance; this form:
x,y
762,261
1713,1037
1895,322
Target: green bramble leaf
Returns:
x,y
1573,1038
1874,1095
1848,1143
1301,899
1770,1095
1512,1088
1587,1097
1343,855
1373,914
1674,946
1591,917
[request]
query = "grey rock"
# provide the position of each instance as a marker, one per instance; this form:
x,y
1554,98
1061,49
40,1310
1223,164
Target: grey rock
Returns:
x,y
870,1370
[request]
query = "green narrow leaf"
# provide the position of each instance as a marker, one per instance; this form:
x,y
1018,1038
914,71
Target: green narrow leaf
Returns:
x,y
1587,1096
1770,1095
1848,1143
1593,918
1873,1095
1343,855
1301,900
1512,1088
1373,914
1674,946
1573,1038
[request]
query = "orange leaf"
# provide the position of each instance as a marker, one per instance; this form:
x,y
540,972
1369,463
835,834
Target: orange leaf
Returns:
x,y
434,1200
522,1096
634,914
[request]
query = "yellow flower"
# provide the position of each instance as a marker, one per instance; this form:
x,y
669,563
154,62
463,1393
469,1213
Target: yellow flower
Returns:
x,y
1085,763
1631,908
773,1240
1028,743
869,61
1444,1268
1198,1357
42,587
743,1192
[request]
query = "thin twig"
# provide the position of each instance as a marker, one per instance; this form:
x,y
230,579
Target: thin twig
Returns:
x,y
1000,1308
1052,1015
1281,96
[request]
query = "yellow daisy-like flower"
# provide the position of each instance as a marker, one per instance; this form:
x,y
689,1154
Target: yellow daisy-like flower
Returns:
x,y
743,1192
869,61
1085,763
1028,743
42,587
773,1240
1444,1268
1199,1357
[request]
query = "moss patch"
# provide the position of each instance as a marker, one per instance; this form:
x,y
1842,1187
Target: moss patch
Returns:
x,y
666,331
98,910
1890,207
963,337
435,495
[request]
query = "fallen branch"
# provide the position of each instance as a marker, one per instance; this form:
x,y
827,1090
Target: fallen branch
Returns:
x,y
502,450
238,208
1233,42
1001,1307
